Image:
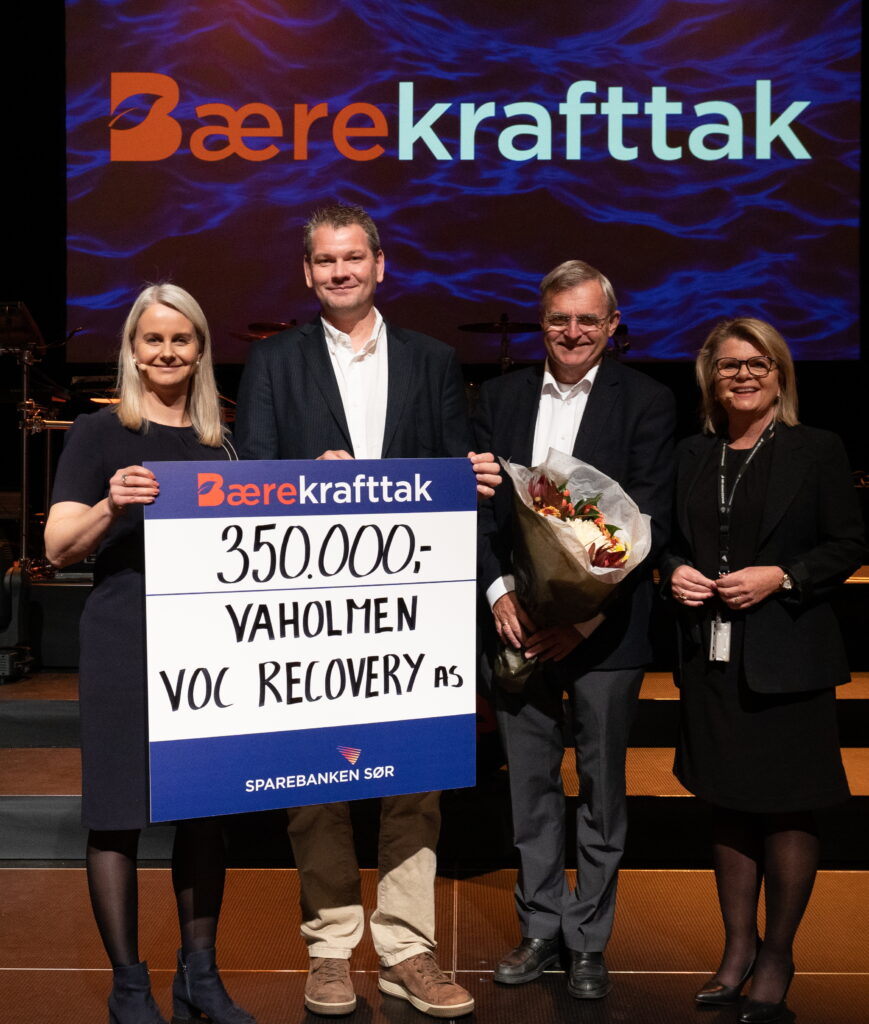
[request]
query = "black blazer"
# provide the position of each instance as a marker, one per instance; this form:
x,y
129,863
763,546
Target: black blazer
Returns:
x,y
812,527
626,432
289,406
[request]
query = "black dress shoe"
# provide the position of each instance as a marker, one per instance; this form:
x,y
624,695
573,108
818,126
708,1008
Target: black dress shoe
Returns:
x,y
527,961
753,1011
588,977
716,993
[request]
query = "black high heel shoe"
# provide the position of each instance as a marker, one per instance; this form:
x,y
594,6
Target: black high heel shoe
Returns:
x,y
754,1011
714,993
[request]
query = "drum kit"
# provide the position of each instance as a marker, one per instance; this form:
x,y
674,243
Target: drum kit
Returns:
x,y
20,337
505,328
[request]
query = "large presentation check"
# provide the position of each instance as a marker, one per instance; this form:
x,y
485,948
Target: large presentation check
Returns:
x,y
310,631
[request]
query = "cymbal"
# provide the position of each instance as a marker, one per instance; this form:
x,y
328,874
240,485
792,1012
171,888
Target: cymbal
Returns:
x,y
102,396
265,328
501,327
96,384
18,330
248,336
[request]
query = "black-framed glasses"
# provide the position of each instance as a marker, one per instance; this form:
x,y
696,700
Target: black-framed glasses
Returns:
x,y
757,366
584,321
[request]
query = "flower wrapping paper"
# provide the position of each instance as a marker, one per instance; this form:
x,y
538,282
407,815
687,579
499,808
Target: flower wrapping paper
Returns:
x,y
555,580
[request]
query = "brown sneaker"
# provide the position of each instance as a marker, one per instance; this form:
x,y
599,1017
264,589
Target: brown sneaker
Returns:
x,y
329,990
422,983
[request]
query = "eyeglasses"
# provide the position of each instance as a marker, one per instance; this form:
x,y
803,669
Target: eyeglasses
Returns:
x,y
584,321
757,366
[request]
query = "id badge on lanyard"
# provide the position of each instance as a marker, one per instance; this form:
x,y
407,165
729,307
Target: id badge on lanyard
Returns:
x,y
719,639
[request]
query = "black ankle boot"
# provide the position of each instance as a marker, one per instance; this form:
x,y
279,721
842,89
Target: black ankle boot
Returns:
x,y
131,1001
197,991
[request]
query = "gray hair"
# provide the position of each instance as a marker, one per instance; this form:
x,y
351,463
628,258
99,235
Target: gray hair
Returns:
x,y
571,273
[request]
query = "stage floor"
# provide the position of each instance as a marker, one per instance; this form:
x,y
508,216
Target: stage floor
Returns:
x,y
666,941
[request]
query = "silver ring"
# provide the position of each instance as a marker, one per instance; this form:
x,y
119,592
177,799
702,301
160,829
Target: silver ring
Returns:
x,y
124,479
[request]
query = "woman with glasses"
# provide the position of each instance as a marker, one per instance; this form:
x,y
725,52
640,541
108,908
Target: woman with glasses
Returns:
x,y
766,527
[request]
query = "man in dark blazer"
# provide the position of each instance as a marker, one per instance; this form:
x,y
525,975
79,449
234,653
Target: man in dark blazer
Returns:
x,y
350,385
621,422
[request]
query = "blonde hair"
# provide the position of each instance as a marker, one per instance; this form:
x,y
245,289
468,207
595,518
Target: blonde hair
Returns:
x,y
764,337
202,401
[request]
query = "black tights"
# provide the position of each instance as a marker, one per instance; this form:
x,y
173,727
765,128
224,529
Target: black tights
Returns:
x,y
198,871
782,851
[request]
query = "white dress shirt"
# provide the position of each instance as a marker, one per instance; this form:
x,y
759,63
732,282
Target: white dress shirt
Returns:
x,y
559,415
363,380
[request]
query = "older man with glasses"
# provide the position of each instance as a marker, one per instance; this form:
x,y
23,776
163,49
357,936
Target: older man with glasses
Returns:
x,y
621,422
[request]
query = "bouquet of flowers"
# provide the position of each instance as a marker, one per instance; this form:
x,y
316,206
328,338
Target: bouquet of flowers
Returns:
x,y
586,519
578,535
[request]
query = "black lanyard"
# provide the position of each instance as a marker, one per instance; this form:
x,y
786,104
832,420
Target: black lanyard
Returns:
x,y
725,500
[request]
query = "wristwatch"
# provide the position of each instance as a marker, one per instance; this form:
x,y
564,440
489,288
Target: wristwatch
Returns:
x,y
787,582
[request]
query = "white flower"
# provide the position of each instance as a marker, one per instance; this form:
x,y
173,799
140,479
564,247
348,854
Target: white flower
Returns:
x,y
588,533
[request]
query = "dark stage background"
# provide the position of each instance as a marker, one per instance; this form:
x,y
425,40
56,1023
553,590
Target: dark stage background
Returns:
x,y
705,154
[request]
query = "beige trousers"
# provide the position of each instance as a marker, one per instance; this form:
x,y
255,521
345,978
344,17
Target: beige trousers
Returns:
x,y
332,917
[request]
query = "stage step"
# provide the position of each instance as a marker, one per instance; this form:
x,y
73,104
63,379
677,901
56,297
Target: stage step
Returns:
x,y
57,772
40,817
657,721
40,788
43,711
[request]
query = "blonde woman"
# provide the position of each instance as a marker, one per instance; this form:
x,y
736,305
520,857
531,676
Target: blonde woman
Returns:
x,y
767,525
168,410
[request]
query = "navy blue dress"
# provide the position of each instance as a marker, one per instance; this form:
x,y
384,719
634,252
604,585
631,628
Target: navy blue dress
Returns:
x,y
112,680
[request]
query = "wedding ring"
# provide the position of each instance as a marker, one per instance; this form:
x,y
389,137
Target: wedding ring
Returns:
x,y
124,479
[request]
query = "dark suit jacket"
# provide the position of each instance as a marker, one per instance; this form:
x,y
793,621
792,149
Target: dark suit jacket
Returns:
x,y
626,432
289,406
812,527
